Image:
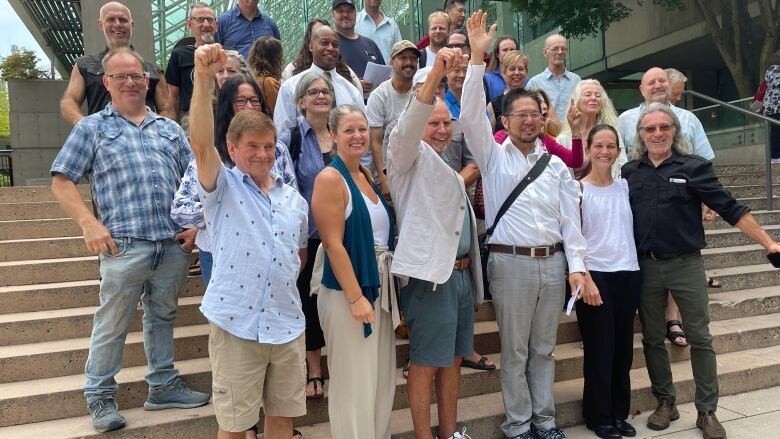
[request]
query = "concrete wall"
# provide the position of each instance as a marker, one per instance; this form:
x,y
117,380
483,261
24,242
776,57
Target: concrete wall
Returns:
x,y
37,129
143,37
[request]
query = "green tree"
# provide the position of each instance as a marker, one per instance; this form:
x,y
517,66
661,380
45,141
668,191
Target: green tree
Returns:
x,y
21,65
745,52
5,125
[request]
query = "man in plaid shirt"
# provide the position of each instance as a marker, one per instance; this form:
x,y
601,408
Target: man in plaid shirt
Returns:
x,y
134,160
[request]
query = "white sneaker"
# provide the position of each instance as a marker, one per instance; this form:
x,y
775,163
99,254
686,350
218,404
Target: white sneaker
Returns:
x,y
463,435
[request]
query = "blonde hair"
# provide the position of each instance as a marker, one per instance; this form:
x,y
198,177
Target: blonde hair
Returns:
x,y
512,57
439,14
606,114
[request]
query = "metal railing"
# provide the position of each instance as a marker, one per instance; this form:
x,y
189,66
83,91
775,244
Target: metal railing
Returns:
x,y
768,122
6,168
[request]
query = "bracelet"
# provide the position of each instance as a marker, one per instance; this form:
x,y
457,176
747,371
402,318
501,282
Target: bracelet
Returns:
x,y
355,301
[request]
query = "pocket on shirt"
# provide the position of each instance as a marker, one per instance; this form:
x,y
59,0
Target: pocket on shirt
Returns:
x,y
416,244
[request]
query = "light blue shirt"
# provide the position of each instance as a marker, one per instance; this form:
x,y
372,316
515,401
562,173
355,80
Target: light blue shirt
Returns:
x,y
559,90
691,130
255,241
237,33
384,34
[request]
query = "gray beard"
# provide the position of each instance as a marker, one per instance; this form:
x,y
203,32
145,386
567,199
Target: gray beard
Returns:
x,y
207,38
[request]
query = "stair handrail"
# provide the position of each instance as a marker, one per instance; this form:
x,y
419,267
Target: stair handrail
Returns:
x,y
768,122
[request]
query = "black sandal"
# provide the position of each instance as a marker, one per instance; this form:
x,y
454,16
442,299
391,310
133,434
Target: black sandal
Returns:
x,y
297,434
713,283
405,369
673,336
316,395
480,365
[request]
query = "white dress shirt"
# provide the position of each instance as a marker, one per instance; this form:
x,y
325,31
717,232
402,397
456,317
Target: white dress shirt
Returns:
x,y
548,211
286,111
691,130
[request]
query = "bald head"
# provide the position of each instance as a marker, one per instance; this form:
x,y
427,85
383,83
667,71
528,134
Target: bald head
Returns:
x,y
324,47
117,24
655,86
438,130
555,49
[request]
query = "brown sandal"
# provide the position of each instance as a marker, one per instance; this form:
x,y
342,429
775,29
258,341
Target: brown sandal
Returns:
x,y
674,336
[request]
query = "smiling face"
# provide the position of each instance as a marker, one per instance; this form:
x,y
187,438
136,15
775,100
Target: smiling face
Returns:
x,y
603,149
318,99
116,24
205,30
439,31
404,65
324,48
246,99
438,131
254,153
127,93
457,76
514,74
351,135
591,99
344,18
520,123
655,86
657,132
505,46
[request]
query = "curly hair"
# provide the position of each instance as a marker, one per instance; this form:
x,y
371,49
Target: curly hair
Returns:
x,y
265,57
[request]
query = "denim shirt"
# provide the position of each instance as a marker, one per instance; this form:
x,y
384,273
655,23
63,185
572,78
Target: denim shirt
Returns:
x,y
255,241
134,170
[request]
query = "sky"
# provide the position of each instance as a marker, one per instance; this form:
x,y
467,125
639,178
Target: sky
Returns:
x,y
15,32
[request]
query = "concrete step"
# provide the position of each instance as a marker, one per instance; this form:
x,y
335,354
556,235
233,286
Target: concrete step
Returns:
x,y
33,210
754,168
62,295
745,277
23,194
745,190
759,203
728,336
34,327
38,360
481,413
41,228
733,256
42,248
732,236
751,179
764,217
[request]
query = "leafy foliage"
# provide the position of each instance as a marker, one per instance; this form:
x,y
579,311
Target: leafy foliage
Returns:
x,y
21,65
5,126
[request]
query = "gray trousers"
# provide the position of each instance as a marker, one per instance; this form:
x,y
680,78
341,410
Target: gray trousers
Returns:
x,y
528,297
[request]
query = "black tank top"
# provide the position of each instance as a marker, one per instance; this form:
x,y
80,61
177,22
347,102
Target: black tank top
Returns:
x,y
97,96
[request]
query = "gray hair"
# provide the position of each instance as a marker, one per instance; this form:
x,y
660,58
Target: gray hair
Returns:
x,y
338,113
306,80
198,5
675,76
117,51
680,145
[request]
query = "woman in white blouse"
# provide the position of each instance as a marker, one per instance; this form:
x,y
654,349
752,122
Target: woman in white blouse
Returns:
x,y
609,302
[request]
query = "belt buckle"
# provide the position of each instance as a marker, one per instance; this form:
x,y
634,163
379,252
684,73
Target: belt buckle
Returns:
x,y
546,252
652,256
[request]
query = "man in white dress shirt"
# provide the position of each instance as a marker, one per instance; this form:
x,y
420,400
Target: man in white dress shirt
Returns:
x,y
655,87
527,262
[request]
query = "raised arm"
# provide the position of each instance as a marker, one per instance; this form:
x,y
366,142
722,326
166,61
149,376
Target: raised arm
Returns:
x,y
475,125
70,104
162,100
208,60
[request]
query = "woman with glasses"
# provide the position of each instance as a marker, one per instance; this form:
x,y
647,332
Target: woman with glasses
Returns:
x,y
591,101
310,145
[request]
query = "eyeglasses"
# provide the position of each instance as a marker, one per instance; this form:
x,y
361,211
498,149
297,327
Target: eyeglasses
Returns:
x,y
314,92
200,20
241,102
525,116
556,49
664,128
122,77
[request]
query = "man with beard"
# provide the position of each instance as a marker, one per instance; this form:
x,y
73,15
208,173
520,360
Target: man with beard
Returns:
x,y
388,101
527,260
356,49
438,32
456,15
86,78
373,23
203,25
655,87
434,254
555,80
325,52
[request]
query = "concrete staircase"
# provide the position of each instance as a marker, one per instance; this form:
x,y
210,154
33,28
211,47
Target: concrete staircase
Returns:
x,y
49,291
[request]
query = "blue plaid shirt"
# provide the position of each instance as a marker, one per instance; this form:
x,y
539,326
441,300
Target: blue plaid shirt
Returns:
x,y
134,170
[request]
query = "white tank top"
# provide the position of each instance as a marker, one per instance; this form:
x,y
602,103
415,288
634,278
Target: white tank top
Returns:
x,y
380,221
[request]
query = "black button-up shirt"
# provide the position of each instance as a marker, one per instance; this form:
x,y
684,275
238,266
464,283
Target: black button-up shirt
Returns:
x,y
666,203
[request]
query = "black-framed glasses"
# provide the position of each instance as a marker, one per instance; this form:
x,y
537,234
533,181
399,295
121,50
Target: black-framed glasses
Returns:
x,y
242,102
200,20
122,77
314,92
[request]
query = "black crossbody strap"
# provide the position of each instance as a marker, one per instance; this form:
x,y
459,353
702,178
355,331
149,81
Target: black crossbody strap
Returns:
x,y
535,172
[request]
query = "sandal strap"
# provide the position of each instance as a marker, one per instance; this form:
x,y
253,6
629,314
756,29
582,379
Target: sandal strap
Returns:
x,y
670,323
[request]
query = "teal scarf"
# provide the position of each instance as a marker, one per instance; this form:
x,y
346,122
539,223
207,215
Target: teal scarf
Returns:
x,y
359,242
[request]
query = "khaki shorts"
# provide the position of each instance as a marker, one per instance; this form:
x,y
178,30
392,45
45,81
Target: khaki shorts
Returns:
x,y
247,375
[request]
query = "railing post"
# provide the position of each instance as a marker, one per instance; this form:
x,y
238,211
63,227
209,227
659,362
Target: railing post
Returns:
x,y
768,158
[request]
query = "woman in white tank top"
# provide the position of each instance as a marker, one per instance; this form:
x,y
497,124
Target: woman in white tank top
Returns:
x,y
606,311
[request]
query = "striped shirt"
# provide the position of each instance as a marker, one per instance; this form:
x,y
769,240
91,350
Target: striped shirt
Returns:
x,y
134,170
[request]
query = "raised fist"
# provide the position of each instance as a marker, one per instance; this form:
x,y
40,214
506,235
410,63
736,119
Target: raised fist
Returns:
x,y
209,59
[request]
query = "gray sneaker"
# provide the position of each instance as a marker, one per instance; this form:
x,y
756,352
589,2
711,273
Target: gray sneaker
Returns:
x,y
105,415
177,394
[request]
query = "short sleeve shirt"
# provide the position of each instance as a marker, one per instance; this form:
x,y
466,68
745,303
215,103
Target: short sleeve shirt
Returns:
x,y
179,74
359,52
237,33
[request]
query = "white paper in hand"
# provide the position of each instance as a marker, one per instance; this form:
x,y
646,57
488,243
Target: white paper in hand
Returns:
x,y
572,300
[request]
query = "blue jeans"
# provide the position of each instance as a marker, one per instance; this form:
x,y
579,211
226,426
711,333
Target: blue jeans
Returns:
x,y
206,264
154,273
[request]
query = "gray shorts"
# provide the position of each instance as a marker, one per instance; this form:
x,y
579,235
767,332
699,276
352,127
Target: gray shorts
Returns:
x,y
441,322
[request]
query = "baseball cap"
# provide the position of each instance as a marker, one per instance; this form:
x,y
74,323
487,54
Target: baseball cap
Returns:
x,y
403,45
337,3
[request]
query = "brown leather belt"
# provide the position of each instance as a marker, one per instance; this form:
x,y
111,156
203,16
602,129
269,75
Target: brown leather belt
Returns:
x,y
534,252
462,264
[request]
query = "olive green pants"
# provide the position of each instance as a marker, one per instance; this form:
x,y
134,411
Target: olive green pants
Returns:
x,y
685,277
